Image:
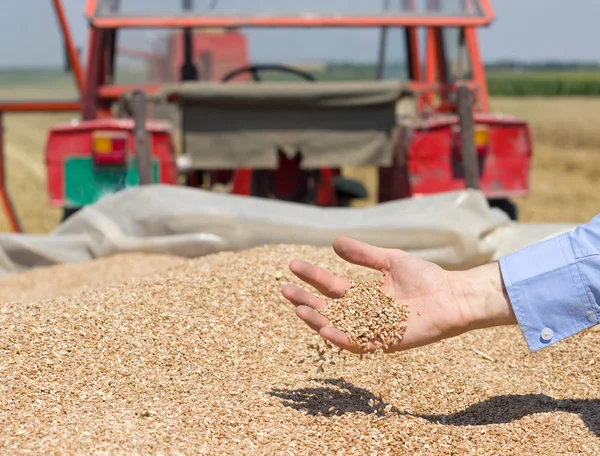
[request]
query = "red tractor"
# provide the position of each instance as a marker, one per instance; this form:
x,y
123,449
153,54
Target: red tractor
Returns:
x,y
427,133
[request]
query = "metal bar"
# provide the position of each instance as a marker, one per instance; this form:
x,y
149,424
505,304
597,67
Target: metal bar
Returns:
x,y
383,41
442,63
7,205
94,80
90,8
142,146
113,92
487,10
37,106
288,21
430,63
477,67
71,49
467,137
188,71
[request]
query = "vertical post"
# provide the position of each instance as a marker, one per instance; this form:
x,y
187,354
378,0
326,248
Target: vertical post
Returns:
x,y
467,137
189,72
142,146
477,68
382,51
8,207
383,40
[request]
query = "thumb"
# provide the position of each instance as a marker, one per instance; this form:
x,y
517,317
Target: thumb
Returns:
x,y
362,254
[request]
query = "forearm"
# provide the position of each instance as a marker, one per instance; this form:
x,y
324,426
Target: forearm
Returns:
x,y
551,289
486,301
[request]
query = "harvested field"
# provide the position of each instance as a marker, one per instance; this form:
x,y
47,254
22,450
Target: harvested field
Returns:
x,y
208,358
25,142
566,157
26,136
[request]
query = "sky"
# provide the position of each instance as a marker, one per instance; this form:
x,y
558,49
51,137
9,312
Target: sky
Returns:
x,y
523,30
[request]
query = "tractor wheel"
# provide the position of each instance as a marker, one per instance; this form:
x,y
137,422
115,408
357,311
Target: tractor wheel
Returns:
x,y
68,212
507,206
347,190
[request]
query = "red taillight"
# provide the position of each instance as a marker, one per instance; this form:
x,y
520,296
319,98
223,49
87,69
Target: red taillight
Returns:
x,y
481,145
109,148
481,141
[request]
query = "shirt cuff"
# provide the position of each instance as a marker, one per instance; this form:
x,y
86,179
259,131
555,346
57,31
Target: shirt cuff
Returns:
x,y
546,292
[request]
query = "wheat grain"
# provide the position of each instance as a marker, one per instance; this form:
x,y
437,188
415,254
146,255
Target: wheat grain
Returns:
x,y
208,358
368,315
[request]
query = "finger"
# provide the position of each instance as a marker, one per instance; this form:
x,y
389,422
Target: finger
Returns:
x,y
324,281
337,337
301,297
311,317
363,254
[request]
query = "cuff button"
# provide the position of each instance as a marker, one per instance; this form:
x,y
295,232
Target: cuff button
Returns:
x,y
547,334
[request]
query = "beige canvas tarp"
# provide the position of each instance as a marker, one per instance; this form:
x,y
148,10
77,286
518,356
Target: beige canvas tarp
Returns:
x,y
331,124
455,230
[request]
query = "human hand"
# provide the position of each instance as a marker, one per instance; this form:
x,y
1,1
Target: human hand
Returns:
x,y
442,303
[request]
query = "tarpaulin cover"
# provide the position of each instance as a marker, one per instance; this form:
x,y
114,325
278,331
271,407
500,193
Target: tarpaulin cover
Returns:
x,y
455,230
228,126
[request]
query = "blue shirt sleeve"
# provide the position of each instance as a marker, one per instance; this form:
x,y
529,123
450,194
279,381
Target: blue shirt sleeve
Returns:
x,y
554,285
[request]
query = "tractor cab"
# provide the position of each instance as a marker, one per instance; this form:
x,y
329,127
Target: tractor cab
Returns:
x,y
418,113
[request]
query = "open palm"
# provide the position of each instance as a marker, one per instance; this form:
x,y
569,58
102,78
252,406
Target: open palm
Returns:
x,y
437,310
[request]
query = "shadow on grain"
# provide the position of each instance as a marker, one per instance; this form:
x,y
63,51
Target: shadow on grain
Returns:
x,y
338,397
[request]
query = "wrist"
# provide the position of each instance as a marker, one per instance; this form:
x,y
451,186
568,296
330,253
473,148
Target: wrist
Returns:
x,y
483,295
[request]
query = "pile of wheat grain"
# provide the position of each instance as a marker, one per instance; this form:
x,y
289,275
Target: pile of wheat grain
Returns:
x,y
367,315
68,279
208,358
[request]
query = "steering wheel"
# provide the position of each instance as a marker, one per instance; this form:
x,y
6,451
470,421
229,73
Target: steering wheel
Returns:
x,y
256,69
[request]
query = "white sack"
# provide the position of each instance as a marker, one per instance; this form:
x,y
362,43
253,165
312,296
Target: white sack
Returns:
x,y
455,230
